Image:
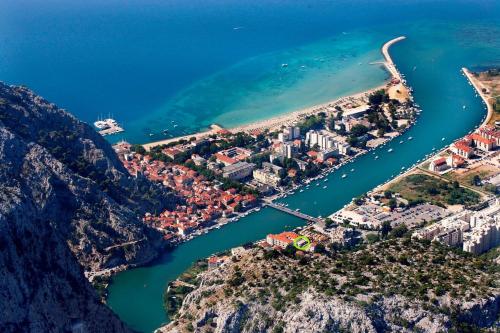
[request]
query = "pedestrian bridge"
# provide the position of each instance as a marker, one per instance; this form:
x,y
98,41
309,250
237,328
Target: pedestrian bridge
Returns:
x,y
293,212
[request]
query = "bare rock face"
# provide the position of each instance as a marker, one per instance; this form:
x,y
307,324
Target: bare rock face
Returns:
x,y
277,294
65,199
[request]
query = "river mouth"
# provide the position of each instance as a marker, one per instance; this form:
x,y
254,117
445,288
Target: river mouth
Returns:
x,y
431,59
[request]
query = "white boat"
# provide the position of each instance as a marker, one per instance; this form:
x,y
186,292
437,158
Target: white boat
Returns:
x,y
400,142
352,170
175,125
297,209
317,184
284,65
410,138
301,190
325,186
344,175
442,139
390,150
325,180
376,157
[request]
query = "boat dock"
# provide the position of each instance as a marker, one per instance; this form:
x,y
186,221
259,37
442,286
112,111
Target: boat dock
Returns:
x,y
111,130
293,212
108,126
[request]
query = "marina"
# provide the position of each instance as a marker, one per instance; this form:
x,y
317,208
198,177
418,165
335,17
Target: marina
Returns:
x,y
108,126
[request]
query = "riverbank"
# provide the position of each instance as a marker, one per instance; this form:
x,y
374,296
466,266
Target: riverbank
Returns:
x,y
479,89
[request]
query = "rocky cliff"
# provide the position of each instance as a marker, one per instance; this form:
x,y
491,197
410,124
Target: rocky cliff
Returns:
x,y
394,286
65,199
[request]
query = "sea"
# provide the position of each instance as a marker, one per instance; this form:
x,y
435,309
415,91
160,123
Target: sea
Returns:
x,y
168,68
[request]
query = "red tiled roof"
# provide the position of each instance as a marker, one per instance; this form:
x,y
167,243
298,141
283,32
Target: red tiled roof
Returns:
x,y
463,147
477,137
285,237
439,161
225,159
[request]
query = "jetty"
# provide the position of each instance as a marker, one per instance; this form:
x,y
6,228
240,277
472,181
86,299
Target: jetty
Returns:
x,y
293,212
389,64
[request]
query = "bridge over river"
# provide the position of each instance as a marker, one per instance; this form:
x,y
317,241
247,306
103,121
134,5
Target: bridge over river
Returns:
x,y
296,213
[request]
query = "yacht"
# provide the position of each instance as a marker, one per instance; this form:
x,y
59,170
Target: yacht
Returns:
x,y
324,186
284,65
390,150
352,170
376,157
410,138
344,175
400,142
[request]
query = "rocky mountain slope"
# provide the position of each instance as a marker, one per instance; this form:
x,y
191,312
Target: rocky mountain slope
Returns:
x,y
64,199
393,286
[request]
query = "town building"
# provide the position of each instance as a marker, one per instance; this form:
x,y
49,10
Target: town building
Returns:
x,y
439,164
238,170
267,176
475,232
232,155
281,240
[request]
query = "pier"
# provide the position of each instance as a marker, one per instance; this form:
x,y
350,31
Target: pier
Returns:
x,y
293,212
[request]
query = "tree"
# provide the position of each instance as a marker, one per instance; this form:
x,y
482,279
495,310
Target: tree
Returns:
x,y
399,231
372,238
320,248
359,130
393,203
138,149
385,229
476,180
328,222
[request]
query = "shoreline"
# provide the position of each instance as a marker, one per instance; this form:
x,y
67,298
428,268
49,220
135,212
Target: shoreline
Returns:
x,y
294,116
476,84
489,109
289,117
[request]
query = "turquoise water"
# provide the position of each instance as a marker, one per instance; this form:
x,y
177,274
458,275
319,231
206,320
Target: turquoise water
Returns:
x,y
150,62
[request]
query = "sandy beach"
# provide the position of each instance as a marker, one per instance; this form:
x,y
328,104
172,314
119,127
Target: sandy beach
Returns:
x,y
275,123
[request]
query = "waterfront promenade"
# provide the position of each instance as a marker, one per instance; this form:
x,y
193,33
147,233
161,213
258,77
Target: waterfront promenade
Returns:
x,y
479,88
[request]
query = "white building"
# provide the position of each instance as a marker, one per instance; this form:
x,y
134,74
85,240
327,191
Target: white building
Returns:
x,y
326,141
238,170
